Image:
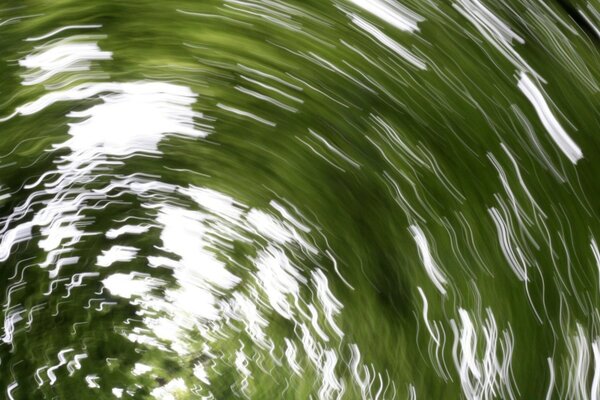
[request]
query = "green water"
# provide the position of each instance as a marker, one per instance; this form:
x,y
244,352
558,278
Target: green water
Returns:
x,y
322,199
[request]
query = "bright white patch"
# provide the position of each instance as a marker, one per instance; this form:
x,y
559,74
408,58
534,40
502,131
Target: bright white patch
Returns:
x,y
117,392
431,267
282,232
579,367
389,42
394,13
127,230
171,391
132,284
140,369
134,120
269,227
215,202
183,235
116,254
200,373
62,56
556,131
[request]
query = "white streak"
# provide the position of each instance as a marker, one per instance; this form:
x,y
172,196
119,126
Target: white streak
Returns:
x,y
394,13
62,29
389,42
488,376
140,369
126,230
116,254
556,131
132,284
431,267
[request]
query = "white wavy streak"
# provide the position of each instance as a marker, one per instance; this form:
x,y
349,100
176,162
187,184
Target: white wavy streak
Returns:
x,y
62,360
516,206
331,306
578,347
75,364
486,377
59,30
246,310
394,13
360,372
332,386
127,230
314,321
289,217
279,278
91,381
595,389
290,355
12,237
431,268
596,253
583,363
247,114
435,334
486,18
11,317
266,98
389,42
552,378
497,32
241,364
10,388
550,122
510,249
